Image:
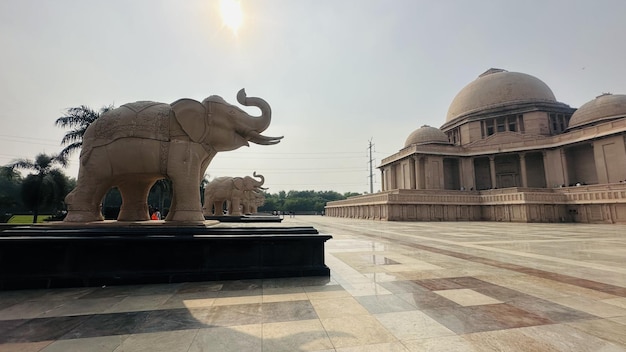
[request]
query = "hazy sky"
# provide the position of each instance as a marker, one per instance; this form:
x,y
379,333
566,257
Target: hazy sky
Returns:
x,y
337,73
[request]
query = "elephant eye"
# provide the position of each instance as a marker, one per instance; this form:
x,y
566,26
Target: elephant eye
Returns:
x,y
231,112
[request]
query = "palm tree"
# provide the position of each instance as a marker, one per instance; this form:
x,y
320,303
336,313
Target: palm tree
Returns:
x,y
10,184
205,181
47,186
164,187
78,119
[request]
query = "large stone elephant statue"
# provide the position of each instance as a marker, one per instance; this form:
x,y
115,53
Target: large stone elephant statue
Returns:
x,y
135,145
231,190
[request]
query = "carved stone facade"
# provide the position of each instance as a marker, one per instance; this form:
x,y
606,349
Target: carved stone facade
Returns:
x,y
508,151
588,204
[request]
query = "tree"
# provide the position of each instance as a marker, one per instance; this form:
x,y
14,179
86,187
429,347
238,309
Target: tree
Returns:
x,y
78,119
10,184
300,201
163,188
111,204
48,186
205,181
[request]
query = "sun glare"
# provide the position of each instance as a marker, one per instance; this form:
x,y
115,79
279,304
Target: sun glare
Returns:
x,y
231,14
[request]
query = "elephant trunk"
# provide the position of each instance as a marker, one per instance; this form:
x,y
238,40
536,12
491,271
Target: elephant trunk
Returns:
x,y
260,183
262,122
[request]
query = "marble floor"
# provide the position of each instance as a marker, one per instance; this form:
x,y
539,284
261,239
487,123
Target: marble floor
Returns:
x,y
394,286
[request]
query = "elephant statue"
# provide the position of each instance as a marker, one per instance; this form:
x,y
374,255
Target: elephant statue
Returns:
x,y
231,190
251,201
135,145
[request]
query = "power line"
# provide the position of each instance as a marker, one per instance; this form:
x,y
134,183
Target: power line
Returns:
x,y
31,138
309,153
314,155
286,171
294,158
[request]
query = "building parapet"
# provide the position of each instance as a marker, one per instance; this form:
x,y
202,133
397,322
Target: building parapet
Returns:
x,y
576,203
594,194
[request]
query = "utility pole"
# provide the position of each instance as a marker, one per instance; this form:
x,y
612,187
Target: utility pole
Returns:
x,y
371,161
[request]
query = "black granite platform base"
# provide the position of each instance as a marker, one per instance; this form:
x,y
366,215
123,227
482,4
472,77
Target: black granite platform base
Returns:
x,y
50,257
244,218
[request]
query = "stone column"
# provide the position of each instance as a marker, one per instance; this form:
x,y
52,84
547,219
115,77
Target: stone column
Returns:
x,y
467,173
382,179
412,177
522,166
472,174
492,169
418,174
545,170
564,167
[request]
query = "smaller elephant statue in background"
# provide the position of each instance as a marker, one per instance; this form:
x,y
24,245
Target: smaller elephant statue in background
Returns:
x,y
252,200
231,190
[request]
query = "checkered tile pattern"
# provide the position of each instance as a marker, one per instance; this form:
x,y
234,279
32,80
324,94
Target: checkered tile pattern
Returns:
x,y
393,287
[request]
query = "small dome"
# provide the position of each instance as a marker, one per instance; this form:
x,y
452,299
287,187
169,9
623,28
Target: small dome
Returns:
x,y
603,107
426,135
497,87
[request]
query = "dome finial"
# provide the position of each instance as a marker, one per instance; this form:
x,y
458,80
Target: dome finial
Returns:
x,y
492,70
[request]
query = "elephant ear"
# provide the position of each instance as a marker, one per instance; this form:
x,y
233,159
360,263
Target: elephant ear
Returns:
x,y
191,115
238,183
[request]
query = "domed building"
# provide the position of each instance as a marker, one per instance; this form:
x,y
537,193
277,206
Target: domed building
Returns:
x,y
508,151
603,108
426,135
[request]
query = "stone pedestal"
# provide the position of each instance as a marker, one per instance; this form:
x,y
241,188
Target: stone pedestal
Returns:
x,y
78,256
244,218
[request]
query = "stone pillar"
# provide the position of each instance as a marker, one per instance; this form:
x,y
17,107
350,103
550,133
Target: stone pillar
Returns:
x,y
418,174
472,174
492,169
566,180
383,181
412,177
522,166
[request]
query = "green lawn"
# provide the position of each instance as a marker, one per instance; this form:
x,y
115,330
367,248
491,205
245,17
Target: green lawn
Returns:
x,y
26,219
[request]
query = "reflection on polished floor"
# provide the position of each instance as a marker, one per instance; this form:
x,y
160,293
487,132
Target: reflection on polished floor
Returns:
x,y
394,286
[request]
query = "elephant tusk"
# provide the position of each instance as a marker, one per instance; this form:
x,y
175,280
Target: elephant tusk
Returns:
x,y
256,137
267,142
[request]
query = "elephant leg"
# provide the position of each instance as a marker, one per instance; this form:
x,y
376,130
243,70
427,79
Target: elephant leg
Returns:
x,y
186,204
94,180
134,199
235,207
184,163
173,206
85,201
217,208
212,207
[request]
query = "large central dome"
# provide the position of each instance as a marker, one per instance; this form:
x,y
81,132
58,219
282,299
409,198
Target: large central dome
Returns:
x,y
498,87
